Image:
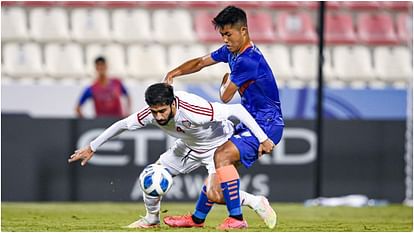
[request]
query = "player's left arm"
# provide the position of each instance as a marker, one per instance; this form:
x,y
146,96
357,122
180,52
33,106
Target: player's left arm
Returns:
x,y
227,89
244,71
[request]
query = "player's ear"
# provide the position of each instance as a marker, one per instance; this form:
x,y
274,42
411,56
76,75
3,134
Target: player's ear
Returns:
x,y
243,30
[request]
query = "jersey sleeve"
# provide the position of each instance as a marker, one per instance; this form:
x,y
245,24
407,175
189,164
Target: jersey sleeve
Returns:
x,y
221,54
87,93
244,70
224,111
140,118
129,123
221,112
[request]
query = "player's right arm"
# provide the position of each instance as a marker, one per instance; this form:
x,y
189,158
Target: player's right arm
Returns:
x,y
133,122
190,66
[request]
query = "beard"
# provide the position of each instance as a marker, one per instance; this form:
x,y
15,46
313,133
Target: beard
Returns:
x,y
165,122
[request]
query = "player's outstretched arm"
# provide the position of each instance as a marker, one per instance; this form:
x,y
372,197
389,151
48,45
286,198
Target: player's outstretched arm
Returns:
x,y
84,154
115,129
188,67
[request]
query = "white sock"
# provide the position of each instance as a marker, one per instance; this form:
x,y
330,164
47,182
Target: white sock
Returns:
x,y
153,205
247,199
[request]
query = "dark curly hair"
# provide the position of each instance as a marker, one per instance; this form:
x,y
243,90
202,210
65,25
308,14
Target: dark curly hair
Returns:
x,y
159,94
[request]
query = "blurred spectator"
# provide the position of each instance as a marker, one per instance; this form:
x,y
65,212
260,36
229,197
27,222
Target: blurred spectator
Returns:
x,y
106,93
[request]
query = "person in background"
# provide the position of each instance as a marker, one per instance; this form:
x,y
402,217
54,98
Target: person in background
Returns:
x,y
106,93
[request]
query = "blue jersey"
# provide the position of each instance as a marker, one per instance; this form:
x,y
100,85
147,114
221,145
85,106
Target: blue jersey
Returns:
x,y
257,85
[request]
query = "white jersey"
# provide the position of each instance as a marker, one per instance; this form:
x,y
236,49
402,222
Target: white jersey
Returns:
x,y
201,125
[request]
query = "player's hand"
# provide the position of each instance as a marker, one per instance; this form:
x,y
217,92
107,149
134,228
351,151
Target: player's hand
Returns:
x,y
84,154
168,79
214,192
266,147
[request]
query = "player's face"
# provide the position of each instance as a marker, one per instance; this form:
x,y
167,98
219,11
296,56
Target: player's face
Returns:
x,y
101,68
162,113
234,37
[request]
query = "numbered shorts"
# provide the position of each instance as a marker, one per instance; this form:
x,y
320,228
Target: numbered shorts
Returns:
x,y
179,159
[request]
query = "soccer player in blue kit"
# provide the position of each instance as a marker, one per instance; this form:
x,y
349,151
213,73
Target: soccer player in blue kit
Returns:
x,y
253,79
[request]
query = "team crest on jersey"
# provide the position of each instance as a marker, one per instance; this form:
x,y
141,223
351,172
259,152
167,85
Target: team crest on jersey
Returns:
x,y
187,124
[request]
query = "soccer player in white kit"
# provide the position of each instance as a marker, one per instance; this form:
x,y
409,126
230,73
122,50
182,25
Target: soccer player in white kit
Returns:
x,y
199,126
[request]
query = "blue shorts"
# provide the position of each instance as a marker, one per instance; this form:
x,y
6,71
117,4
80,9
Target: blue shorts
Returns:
x,y
248,145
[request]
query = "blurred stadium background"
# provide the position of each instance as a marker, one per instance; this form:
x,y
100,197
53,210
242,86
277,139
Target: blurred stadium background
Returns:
x,y
47,54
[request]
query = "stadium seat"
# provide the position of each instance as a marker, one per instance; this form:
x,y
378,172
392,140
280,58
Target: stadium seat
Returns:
x,y
178,54
397,5
362,5
147,62
376,28
245,4
179,28
339,29
64,60
404,27
202,4
22,60
328,72
160,4
114,55
278,58
314,5
90,25
305,62
49,24
352,63
295,28
333,5
204,28
279,5
393,64
261,29
13,24
78,4
121,4
131,25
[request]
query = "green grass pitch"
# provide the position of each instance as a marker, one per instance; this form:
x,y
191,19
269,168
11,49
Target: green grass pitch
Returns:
x,y
113,216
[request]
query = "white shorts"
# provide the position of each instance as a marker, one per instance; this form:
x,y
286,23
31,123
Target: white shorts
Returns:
x,y
179,159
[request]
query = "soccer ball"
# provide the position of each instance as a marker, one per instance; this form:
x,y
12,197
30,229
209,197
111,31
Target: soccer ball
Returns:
x,y
155,180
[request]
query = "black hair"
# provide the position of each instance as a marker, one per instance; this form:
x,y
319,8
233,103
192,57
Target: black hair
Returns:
x,y
230,15
100,59
159,94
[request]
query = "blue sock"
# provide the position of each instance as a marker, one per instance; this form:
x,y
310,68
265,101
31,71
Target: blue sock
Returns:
x,y
232,197
203,205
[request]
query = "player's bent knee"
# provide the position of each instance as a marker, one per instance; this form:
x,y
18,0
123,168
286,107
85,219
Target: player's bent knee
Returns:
x,y
224,155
